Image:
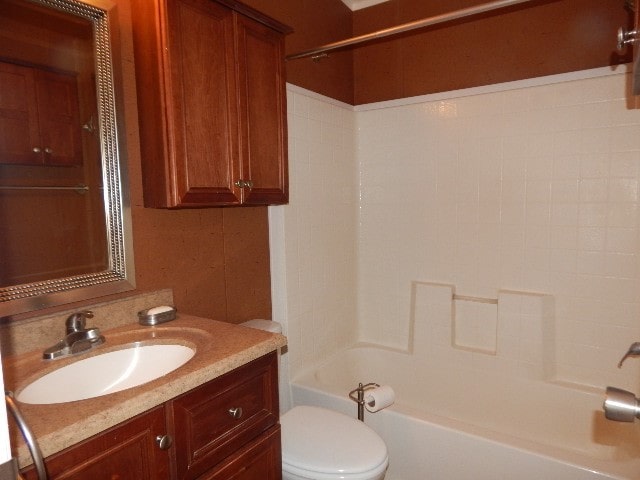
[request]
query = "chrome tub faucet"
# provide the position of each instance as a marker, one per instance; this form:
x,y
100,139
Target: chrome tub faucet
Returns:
x,y
621,405
78,338
634,351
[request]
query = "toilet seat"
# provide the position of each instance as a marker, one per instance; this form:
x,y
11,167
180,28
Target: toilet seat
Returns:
x,y
324,445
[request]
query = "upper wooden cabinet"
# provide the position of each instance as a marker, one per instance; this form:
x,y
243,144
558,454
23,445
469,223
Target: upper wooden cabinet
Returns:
x,y
211,103
39,117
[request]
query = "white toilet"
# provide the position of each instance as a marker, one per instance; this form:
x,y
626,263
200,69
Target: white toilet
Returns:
x,y
321,444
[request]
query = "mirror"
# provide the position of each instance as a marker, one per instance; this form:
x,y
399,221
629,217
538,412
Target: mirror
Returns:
x,y
65,228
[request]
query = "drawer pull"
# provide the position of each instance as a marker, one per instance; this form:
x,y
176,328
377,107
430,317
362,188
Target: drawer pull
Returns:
x,y
235,412
164,441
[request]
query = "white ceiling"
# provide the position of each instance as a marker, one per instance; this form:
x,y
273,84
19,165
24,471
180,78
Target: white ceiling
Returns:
x,y
358,4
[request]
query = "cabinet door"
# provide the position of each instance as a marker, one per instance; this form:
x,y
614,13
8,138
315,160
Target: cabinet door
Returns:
x,y
39,117
260,460
204,102
185,73
125,452
59,117
217,419
19,130
262,113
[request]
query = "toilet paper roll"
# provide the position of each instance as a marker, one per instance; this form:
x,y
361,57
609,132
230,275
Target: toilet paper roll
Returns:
x,y
379,398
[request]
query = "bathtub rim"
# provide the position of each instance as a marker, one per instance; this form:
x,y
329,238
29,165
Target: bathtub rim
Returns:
x,y
623,469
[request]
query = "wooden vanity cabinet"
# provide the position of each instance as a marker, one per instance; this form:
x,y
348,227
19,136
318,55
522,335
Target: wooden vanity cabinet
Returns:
x,y
260,460
225,429
223,417
128,451
211,103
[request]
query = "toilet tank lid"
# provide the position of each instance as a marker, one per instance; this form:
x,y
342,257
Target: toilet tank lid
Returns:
x,y
319,440
260,324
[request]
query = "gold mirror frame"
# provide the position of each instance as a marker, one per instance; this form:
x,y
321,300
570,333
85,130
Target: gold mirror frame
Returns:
x,y
120,275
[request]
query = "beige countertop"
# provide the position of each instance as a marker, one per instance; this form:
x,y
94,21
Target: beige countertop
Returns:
x,y
220,347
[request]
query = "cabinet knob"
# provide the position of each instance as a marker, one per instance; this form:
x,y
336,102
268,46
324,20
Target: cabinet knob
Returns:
x,y
244,184
235,412
626,37
48,150
164,441
36,150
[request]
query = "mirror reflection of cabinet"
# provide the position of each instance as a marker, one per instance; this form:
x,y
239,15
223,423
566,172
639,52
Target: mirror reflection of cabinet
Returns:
x,y
64,211
39,117
47,89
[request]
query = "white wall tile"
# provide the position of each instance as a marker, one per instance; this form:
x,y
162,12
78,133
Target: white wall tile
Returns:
x,y
533,189
320,230
552,171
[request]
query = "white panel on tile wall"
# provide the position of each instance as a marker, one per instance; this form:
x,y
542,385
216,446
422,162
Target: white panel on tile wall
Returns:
x,y
320,229
531,187
562,162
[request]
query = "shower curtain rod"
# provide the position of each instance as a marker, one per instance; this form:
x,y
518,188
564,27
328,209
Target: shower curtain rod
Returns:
x,y
405,27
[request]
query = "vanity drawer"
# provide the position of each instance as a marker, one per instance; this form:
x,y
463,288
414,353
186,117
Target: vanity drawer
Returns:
x,y
260,460
216,419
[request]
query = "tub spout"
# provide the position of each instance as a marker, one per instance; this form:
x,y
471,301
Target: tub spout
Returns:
x,y
634,351
620,405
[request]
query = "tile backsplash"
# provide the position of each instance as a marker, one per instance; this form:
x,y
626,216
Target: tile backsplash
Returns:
x,y
530,187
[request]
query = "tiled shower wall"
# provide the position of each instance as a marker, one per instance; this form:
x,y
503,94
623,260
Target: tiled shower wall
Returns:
x,y
524,187
530,189
319,230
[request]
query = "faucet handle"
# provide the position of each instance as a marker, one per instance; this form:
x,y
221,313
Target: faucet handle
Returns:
x,y
634,351
78,321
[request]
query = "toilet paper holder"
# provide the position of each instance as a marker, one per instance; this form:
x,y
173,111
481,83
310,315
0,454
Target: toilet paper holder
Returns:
x,y
357,395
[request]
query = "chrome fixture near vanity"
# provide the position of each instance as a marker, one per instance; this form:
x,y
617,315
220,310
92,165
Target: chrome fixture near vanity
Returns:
x,y
29,437
77,339
621,405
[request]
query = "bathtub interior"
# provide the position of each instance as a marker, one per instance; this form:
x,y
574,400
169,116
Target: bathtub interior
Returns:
x,y
422,446
543,412
501,386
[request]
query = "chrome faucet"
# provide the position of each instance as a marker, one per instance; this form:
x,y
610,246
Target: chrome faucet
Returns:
x,y
621,405
634,351
78,338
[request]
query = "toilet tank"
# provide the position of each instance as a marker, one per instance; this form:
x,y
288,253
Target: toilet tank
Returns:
x,y
267,325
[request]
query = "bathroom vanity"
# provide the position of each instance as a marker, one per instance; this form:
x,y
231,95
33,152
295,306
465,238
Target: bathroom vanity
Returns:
x,y
216,417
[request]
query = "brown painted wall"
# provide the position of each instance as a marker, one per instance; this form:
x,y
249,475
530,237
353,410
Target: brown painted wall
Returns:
x,y
539,38
315,22
531,40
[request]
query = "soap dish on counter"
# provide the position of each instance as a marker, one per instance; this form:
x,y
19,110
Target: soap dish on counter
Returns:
x,y
157,315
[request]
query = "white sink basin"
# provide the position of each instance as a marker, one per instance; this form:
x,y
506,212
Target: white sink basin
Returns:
x,y
107,373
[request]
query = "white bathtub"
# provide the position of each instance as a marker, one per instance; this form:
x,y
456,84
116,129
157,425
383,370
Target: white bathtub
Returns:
x,y
458,424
